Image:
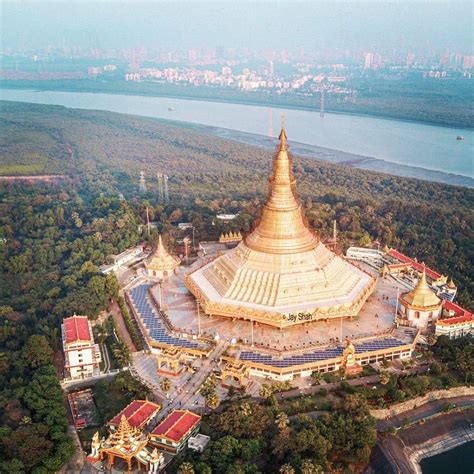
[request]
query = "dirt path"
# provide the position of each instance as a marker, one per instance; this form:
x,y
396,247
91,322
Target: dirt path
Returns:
x,y
122,327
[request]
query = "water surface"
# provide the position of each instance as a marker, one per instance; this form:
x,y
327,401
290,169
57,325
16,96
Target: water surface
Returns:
x,y
409,143
459,460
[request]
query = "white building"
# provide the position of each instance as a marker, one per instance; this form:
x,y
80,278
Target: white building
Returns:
x,y
370,256
134,254
455,321
81,354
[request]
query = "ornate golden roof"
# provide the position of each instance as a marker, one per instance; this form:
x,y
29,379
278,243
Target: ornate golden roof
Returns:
x,y
422,296
280,274
161,259
282,228
126,440
451,284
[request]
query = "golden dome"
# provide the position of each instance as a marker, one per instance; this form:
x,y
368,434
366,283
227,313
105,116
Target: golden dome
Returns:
x,y
282,228
280,274
422,296
161,259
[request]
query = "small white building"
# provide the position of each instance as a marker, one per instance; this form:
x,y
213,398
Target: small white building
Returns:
x,y
81,355
134,254
419,307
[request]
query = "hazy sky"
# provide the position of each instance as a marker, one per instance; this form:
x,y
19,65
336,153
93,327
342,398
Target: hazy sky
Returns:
x,y
258,25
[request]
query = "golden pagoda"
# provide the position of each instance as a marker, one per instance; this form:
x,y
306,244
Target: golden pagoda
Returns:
x,y
419,307
161,264
126,442
421,297
281,274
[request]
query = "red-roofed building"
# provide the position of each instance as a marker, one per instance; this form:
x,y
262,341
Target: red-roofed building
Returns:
x,y
414,264
81,354
455,321
138,414
174,431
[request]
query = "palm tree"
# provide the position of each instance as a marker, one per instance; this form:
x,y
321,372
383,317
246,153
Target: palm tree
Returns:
x,y
316,376
165,385
282,421
212,400
308,467
384,378
287,469
265,391
431,339
186,468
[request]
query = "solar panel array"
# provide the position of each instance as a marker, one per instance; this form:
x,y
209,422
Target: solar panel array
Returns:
x,y
320,355
152,321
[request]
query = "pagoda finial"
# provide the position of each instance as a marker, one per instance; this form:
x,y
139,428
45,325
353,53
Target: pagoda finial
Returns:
x,y
282,137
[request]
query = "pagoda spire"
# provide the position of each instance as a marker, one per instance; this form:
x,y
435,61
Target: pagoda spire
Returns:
x,y
161,247
282,228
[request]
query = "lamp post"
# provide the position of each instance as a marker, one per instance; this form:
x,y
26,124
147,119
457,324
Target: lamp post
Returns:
x,y
199,318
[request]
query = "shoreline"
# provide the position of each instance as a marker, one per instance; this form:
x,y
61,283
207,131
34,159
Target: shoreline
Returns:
x,y
333,156
237,102
308,151
404,452
427,449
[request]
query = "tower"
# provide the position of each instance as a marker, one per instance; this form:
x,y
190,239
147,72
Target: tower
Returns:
x,y
161,193
165,180
142,182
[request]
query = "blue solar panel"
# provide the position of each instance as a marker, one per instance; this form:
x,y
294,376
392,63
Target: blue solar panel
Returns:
x,y
324,354
153,322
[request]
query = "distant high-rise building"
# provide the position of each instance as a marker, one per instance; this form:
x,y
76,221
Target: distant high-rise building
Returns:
x,y
368,60
271,68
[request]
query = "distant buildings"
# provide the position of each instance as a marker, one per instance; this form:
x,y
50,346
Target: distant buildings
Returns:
x,y
81,355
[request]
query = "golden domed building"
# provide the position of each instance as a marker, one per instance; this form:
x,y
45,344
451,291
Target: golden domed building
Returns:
x,y
420,306
161,264
281,274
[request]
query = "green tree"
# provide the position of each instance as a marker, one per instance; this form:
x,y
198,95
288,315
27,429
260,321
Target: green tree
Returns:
x,y
37,351
165,385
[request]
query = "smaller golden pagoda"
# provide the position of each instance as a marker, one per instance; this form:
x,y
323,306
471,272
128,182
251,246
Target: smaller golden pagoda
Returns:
x,y
451,284
422,296
420,306
161,264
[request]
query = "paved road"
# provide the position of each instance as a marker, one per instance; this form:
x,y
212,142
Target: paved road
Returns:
x,y
185,400
122,327
424,411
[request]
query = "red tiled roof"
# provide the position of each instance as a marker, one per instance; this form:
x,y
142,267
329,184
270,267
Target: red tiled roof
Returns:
x,y
137,413
176,425
461,315
76,328
417,266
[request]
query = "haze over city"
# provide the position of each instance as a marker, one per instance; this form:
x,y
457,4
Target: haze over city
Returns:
x,y
255,25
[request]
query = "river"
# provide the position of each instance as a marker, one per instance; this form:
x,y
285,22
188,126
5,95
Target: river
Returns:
x,y
408,143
